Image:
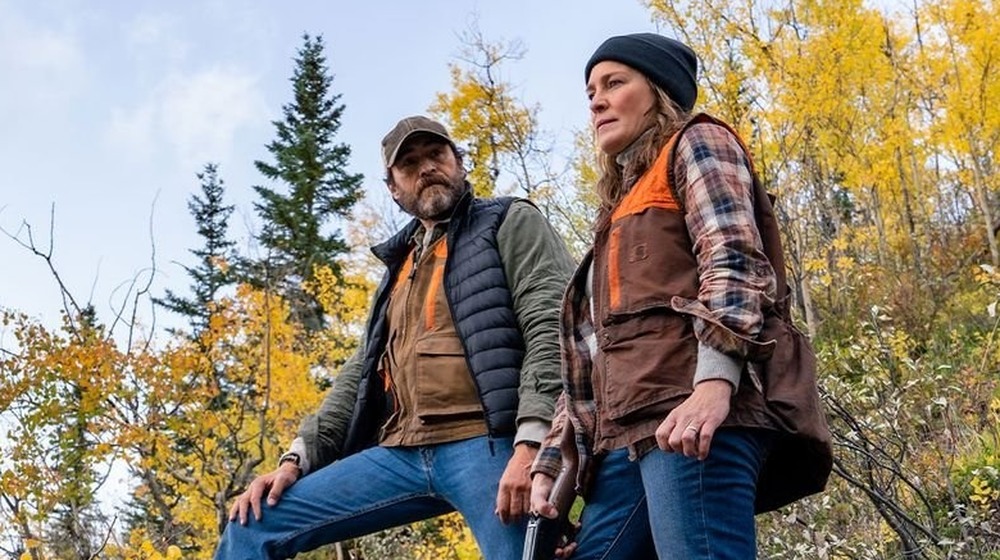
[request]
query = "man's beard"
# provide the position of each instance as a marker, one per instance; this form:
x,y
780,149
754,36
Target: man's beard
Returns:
x,y
436,196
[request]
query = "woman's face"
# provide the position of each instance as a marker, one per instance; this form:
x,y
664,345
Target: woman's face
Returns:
x,y
621,105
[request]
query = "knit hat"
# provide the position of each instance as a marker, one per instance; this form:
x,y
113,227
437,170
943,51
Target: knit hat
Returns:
x,y
406,128
668,63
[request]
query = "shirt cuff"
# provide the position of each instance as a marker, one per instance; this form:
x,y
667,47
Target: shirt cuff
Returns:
x,y
713,364
299,448
533,431
548,462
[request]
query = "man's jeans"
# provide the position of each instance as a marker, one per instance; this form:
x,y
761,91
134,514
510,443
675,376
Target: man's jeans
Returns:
x,y
384,487
705,509
614,522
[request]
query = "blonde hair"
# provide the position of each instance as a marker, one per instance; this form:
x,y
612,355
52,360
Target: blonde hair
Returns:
x,y
611,187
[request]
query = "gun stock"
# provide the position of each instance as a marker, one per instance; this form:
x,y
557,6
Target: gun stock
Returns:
x,y
543,534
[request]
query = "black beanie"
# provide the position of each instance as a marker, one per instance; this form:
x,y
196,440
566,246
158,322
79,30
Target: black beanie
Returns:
x,y
669,64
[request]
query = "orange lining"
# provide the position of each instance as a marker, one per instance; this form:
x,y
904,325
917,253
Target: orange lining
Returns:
x,y
614,283
440,253
431,303
404,272
652,190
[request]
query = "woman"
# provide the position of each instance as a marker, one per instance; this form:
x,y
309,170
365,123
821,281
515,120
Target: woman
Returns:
x,y
664,315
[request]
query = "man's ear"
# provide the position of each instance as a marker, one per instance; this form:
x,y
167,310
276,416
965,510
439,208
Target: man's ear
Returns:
x,y
391,185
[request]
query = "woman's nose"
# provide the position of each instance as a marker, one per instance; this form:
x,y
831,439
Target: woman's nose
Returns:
x,y
597,103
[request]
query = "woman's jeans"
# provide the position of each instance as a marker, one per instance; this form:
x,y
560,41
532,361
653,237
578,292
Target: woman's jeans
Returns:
x,y
614,524
705,509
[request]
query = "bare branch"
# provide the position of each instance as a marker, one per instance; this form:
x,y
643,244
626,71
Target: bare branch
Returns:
x,y
70,306
107,538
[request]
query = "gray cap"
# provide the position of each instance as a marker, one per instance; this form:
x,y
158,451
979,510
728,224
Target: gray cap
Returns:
x,y
406,128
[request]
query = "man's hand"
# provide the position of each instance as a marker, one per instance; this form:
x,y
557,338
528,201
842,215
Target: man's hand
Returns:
x,y
689,428
274,483
514,496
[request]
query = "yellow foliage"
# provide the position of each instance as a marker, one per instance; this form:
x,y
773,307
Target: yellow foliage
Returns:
x,y
457,541
483,114
191,419
985,491
254,357
140,547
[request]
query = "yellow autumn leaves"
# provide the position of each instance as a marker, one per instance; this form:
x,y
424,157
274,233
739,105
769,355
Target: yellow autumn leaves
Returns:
x,y
192,422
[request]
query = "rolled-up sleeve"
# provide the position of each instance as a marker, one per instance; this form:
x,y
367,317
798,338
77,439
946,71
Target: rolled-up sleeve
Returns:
x,y
538,267
713,177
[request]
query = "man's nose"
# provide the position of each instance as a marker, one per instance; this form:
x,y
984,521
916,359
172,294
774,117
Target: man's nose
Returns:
x,y
426,165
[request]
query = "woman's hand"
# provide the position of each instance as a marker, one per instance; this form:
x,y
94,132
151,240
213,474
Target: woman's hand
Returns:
x,y
541,487
689,428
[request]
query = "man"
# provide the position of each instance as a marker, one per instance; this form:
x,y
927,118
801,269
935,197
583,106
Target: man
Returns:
x,y
444,405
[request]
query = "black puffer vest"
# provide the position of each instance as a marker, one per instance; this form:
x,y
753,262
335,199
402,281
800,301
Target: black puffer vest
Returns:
x,y
481,306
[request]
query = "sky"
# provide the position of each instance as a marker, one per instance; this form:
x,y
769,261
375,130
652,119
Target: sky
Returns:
x,y
109,109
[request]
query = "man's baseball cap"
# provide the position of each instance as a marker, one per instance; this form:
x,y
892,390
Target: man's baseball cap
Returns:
x,y
406,128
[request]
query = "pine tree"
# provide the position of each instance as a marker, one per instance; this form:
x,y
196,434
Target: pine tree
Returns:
x,y
213,270
314,168
153,509
75,524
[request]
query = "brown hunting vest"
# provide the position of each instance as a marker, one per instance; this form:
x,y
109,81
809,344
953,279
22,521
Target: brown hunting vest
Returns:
x,y
645,300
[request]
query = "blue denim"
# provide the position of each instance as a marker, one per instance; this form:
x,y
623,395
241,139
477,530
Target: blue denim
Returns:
x,y
383,487
705,509
614,524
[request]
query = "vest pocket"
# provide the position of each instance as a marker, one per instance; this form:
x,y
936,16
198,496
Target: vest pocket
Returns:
x,y
444,387
648,359
648,261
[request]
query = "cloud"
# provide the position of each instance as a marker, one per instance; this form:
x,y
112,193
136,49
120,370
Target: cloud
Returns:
x,y
183,108
39,63
155,38
196,116
132,132
202,113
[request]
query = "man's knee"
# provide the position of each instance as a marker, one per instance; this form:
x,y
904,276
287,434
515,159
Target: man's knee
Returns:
x,y
242,542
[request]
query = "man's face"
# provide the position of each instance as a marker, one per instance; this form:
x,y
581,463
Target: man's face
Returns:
x,y
426,179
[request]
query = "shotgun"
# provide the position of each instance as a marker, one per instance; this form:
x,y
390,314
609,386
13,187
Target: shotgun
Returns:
x,y
543,534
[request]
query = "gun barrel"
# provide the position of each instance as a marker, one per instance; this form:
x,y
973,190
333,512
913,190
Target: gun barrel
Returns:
x,y
531,538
